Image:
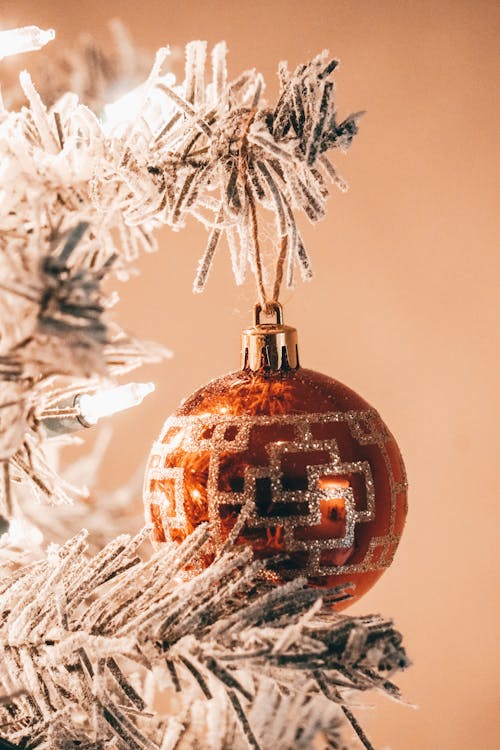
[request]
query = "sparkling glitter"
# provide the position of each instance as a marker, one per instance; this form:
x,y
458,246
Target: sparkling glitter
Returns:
x,y
223,435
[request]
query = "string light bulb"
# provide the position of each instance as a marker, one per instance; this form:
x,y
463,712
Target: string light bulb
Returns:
x,y
24,39
110,401
87,409
19,532
126,108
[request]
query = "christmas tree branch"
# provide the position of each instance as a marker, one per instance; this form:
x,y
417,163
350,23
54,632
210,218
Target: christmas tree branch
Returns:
x,y
82,636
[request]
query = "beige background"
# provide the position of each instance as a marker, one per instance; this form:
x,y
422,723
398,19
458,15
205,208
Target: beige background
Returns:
x,y
403,306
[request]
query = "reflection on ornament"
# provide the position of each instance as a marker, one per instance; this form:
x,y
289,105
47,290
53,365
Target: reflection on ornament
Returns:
x,y
336,510
287,460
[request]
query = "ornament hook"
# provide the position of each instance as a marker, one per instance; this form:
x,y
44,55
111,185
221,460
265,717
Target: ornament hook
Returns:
x,y
275,306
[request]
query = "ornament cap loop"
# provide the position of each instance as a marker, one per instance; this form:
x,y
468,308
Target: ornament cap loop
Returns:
x,y
278,309
269,346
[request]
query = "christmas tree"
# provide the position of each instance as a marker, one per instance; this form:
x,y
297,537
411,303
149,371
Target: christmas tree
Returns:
x,y
107,642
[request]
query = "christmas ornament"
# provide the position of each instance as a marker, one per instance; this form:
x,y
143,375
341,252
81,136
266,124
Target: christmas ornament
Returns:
x,y
285,459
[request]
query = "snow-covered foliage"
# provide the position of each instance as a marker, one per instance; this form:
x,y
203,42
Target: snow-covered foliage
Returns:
x,y
112,651
105,645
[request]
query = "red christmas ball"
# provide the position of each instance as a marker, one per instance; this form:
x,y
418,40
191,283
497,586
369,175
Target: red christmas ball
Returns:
x,y
284,459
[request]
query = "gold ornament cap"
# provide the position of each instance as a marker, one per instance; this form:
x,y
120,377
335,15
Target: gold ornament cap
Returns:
x,y
269,346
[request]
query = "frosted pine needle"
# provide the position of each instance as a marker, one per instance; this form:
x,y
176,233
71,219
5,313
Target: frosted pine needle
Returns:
x,y
87,638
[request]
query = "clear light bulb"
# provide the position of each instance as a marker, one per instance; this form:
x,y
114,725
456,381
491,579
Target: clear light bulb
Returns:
x,y
24,39
22,533
127,107
107,402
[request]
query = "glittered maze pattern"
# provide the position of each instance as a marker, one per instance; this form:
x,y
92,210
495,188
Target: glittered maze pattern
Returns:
x,y
222,436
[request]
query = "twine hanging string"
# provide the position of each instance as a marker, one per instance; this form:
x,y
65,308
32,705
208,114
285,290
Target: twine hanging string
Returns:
x,y
267,303
280,265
